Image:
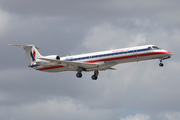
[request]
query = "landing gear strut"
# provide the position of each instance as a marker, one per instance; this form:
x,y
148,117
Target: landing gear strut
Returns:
x,y
95,76
79,73
161,64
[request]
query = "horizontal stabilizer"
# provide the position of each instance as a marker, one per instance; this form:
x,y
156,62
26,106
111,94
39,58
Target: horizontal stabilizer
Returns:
x,y
23,46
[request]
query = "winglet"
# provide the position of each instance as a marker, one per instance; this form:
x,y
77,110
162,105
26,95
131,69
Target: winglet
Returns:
x,y
112,68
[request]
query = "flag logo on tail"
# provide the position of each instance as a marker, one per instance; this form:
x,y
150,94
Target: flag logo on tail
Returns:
x,y
33,55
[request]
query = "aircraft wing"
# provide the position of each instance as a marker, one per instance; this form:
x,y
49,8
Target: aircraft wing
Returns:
x,y
76,64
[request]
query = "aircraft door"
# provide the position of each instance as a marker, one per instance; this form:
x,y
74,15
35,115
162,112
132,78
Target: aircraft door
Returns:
x,y
135,55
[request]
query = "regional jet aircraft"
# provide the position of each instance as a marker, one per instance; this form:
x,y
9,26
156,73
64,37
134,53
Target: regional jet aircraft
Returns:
x,y
96,61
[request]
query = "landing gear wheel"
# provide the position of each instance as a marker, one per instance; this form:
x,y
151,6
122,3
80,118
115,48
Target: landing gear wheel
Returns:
x,y
79,75
161,64
94,77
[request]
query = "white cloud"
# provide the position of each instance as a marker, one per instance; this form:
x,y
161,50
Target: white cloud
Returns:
x,y
172,116
55,109
169,116
109,36
138,39
138,116
144,23
4,18
102,36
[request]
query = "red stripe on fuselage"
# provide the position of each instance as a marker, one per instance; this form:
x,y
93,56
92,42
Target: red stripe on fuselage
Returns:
x,y
110,59
127,57
48,68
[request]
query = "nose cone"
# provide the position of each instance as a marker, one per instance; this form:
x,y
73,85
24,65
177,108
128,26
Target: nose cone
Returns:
x,y
169,53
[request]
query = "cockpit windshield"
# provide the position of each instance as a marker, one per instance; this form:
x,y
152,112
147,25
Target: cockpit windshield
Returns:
x,y
155,47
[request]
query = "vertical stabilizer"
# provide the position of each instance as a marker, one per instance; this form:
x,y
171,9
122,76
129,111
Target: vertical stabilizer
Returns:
x,y
31,52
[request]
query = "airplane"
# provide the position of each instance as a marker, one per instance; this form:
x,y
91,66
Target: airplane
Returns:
x,y
96,61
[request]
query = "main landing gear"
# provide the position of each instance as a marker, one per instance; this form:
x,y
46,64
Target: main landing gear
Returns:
x,y
161,64
79,75
94,77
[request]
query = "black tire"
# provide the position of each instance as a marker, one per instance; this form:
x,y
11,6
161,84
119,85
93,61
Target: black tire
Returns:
x,y
161,64
94,77
79,75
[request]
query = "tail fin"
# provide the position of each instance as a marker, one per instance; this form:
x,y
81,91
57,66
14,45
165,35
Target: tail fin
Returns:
x,y
31,52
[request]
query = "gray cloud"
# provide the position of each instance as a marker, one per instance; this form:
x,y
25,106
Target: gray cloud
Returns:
x,y
72,27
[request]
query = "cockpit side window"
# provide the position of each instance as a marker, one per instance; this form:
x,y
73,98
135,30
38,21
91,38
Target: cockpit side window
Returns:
x,y
149,48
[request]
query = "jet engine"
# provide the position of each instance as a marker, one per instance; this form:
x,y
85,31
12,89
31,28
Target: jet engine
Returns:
x,y
48,63
54,57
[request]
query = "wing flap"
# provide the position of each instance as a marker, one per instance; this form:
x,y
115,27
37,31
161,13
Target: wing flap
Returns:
x,y
76,64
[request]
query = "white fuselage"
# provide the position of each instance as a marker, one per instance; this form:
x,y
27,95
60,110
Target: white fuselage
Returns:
x,y
106,59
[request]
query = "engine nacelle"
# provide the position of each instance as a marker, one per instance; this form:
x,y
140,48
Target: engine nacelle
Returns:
x,y
48,63
54,57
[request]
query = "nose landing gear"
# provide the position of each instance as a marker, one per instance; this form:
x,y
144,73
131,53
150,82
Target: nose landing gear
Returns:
x,y
161,64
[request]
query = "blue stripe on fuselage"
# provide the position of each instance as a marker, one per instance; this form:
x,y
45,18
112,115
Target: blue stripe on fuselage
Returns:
x,y
112,54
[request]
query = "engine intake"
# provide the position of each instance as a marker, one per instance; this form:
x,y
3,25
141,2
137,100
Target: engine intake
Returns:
x,y
57,58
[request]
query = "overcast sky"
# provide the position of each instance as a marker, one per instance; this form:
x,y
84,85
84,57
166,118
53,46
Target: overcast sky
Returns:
x,y
135,91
